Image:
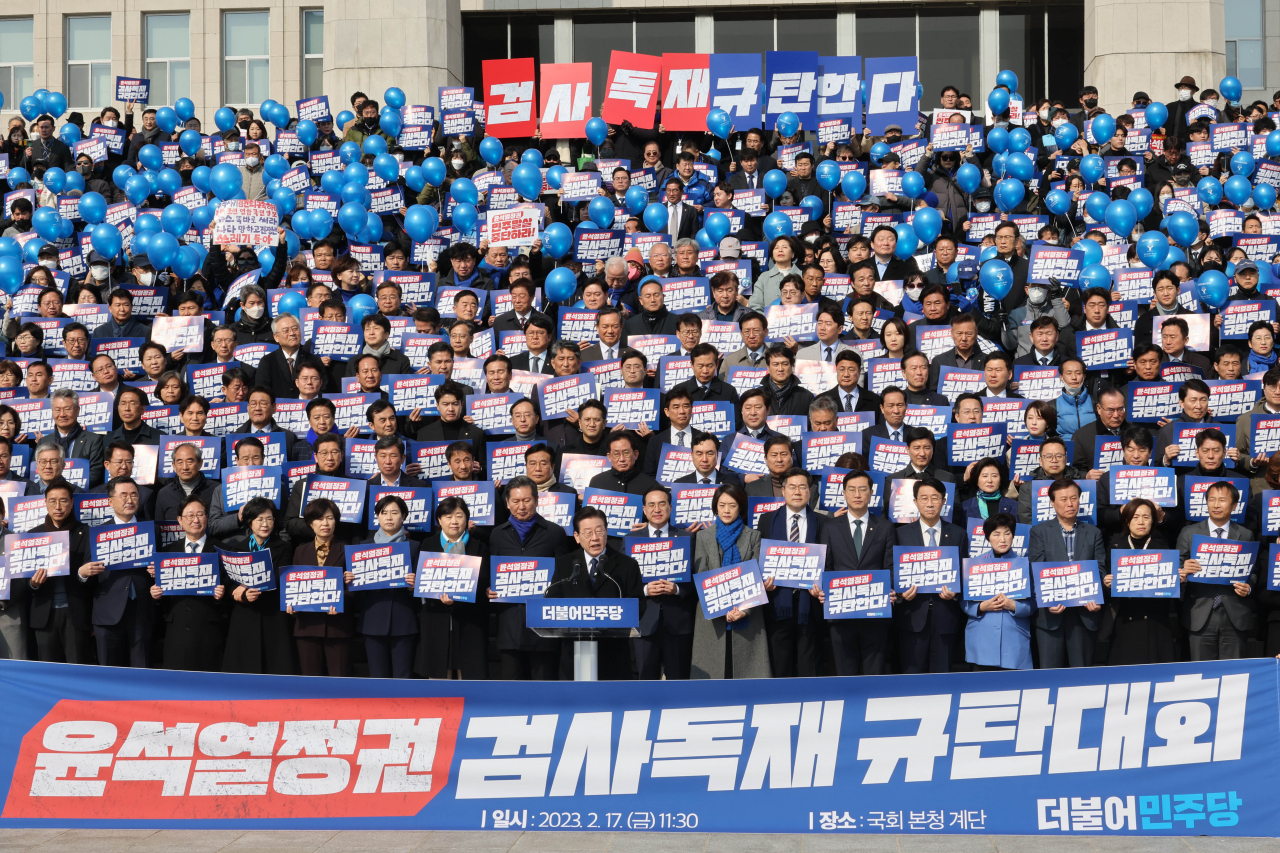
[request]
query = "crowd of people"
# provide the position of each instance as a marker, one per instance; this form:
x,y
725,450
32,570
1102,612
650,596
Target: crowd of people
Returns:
x,y
871,301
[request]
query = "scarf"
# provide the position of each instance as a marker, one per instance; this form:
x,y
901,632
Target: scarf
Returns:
x,y
1259,364
727,538
544,487
459,547
381,352
381,537
523,528
469,280
988,503
781,393
255,545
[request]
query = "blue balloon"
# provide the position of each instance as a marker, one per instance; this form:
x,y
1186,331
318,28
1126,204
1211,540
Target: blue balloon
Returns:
x,y
828,175
635,200
1094,275
704,239
998,140
778,225
719,123
1152,249
1264,196
190,141
285,201
1156,114
361,306
1103,127
331,182
878,152
202,216
386,167
814,205
927,223
907,241
200,178
307,132
224,119
374,145
968,177
655,217
70,134
55,103
54,179
10,273
31,251
996,278
557,239
421,222
788,124
357,174
1007,78
1096,205
168,182
225,181
372,231
1142,201
321,224
1092,168
1092,254
151,158
1273,144
47,223
434,171
162,249
352,218
912,184
167,119
1213,289
464,191
276,166
414,179
343,118
600,211
1009,194
560,284
1237,189
175,219
291,303
30,107
1058,202
527,180
1066,135
1209,190
1018,165
1120,217
555,176
301,222
465,217
533,157
390,121
1242,163
105,240
1019,139
394,97
10,248
1183,228
997,164
121,175
348,153
187,263
491,150
774,183
853,184
597,131
998,101
1230,89
147,223
93,208
717,227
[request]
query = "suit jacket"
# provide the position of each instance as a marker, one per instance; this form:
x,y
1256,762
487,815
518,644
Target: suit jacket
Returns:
x,y
79,592
896,270
86,445
636,324
948,359
1197,598
195,621
520,361
311,623
722,475
509,322
406,481
434,431
737,358
111,595
545,540
674,613
274,373
789,601
595,352
817,351
866,402
910,473
947,616
689,224
388,612
877,544
1047,546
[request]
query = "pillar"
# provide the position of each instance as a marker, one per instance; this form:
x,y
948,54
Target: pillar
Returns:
x,y
413,44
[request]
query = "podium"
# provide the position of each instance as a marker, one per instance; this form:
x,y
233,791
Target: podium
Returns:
x,y
586,621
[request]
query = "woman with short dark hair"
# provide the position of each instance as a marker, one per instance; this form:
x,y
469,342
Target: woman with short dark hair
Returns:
x,y
258,638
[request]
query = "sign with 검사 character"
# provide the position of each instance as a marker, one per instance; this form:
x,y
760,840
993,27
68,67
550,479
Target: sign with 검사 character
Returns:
x,y
793,564
479,498
187,574
1231,398
239,485
454,575
566,393
314,109
1222,561
379,566
312,589
251,569
1105,349
29,553
133,89
661,559
856,595
691,503
1150,402
988,576
970,442
123,546
1145,574
739,585
521,579
1069,584
245,223
799,322
927,569
1238,316
622,510
632,407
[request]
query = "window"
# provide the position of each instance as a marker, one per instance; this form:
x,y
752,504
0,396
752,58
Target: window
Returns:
x,y
594,41
486,37
656,36
89,83
948,54
246,62
886,36
312,53
808,32
16,74
1022,50
1244,41
168,51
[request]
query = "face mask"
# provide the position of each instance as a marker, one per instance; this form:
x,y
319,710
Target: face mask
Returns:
x,y
251,161
399,157
632,273
100,273
982,206
1184,94
1058,122
1212,265
458,164
1044,115
370,123
108,122
811,239
1037,295
146,278
84,168
1090,103
233,146
186,177
49,264
893,139
913,293
243,125
255,312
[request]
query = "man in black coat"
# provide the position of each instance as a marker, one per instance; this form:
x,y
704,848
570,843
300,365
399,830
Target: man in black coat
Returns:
x,y
705,386
889,267
276,370
450,426
787,395
522,311
61,606
653,318
377,344
524,535
681,217
188,480
792,620
195,625
705,450
625,475
847,390
593,570
928,623
389,453
665,645
123,609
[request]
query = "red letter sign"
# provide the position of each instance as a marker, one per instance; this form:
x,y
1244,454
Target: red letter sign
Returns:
x,y
686,87
632,91
566,100
508,98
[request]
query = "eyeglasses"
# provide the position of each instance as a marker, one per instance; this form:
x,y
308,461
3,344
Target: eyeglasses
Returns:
x,y
193,516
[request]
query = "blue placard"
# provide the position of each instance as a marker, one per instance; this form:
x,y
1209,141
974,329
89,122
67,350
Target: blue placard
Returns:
x,y
799,322
1184,436
1273,568
312,589
454,575
349,495
1238,316
478,496
1158,485
250,569
718,418
691,503
520,578
135,89
1069,584
887,457
891,93
856,595
123,351
205,380
669,558
1196,492
123,546
1222,561
978,543
1054,262
686,294
1264,434
413,391
739,585
189,574
210,453
273,447
239,485
562,394
1145,574
929,570
793,564
583,613
1224,137
970,442
593,244
492,412
1105,349
339,341
790,86
631,407
314,109
420,501
623,510
1231,398
989,576
576,324
1151,402
379,565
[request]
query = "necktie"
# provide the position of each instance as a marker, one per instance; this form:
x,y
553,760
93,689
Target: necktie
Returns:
x,y
595,561
897,435
655,533
857,536
191,547
674,217
795,528
933,539
754,358
705,481
828,358
524,323
1044,361
848,402
680,438
535,364
608,354
706,391
1217,599
751,181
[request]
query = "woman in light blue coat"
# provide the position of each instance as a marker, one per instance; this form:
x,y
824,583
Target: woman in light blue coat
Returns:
x,y
998,635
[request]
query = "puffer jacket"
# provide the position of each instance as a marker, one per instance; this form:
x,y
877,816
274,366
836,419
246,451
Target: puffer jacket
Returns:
x,y
1074,411
951,200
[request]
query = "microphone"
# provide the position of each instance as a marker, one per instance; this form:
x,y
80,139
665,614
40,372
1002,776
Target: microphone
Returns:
x,y
573,576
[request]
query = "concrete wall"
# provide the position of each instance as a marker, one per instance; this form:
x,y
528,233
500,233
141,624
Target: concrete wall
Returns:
x,y
413,44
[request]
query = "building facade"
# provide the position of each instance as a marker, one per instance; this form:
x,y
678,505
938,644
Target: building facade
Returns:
x,y
241,52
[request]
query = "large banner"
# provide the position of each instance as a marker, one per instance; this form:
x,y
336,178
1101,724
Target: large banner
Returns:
x,y
1151,750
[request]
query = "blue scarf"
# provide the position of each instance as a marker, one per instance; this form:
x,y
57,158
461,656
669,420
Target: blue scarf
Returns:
x,y
727,538
469,281
1258,364
523,527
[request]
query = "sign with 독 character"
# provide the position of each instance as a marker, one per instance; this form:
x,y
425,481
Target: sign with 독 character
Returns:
x,y
1039,383
187,574
794,564
420,502
29,553
1222,561
1145,574
1152,402
123,546
622,510
1237,317
1054,262
1068,584
479,498
521,578
737,586
856,595
251,569
347,494
1158,485
379,566
970,442
926,569
661,559
1105,349
988,576
312,589
133,89
454,575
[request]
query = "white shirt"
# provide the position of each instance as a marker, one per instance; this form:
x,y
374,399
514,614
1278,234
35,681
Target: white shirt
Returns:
x,y
199,544
1214,530
687,432
129,520
899,429
866,523
538,361
608,353
659,532
1003,392
586,566
937,532
804,523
